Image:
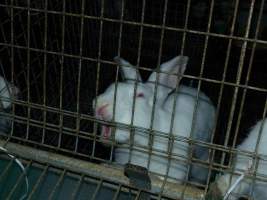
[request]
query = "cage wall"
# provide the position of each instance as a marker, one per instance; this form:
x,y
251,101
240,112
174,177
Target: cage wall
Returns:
x,y
59,54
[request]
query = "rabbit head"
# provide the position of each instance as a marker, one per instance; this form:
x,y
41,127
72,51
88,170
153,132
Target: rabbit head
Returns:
x,y
7,92
134,99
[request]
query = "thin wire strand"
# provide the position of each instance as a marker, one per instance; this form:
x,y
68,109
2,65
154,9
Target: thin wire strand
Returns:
x,y
24,171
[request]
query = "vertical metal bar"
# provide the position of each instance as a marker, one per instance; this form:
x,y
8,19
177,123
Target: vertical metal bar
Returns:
x,y
185,26
62,72
200,81
239,73
34,42
97,189
151,136
56,44
5,37
59,182
171,139
120,31
44,70
18,181
159,197
4,172
135,84
73,45
28,66
35,23
256,158
117,194
169,158
248,73
138,195
20,57
117,74
76,190
12,57
238,79
98,68
228,52
79,76
245,92
40,179
70,35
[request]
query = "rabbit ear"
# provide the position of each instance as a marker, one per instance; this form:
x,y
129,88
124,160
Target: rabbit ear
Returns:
x,y
128,71
175,66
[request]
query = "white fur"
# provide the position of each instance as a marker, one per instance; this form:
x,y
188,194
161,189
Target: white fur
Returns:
x,y
185,105
241,164
7,91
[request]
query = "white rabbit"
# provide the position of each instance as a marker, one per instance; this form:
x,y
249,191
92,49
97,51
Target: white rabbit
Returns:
x,y
7,91
242,164
163,108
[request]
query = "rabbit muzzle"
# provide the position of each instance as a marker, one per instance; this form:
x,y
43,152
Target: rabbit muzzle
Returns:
x,y
102,113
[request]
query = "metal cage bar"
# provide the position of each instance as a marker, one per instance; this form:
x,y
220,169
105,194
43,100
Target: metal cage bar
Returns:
x,y
48,44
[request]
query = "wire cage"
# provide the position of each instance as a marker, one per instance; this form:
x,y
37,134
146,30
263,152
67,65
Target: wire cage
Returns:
x,y
58,56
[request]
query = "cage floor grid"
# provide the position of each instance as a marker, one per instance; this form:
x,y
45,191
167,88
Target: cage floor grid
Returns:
x,y
48,182
51,174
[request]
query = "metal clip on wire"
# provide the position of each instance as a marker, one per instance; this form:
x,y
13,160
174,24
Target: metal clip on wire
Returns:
x,y
22,169
138,178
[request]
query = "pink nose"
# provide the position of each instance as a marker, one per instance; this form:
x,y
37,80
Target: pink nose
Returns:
x,y
101,111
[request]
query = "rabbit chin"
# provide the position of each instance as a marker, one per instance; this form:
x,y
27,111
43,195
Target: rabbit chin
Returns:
x,y
121,136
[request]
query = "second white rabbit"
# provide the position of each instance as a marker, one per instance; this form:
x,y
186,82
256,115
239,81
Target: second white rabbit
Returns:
x,y
257,135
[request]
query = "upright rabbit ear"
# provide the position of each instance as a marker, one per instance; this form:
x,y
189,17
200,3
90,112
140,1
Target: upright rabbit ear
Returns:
x,y
128,71
174,67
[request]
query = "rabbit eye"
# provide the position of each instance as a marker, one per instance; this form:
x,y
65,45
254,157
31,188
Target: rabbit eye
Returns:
x,y
140,94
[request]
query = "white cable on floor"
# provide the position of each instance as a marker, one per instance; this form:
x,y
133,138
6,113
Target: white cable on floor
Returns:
x,y
23,171
230,190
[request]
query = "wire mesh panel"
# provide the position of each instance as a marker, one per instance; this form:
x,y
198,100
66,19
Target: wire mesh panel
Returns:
x,y
175,87
49,182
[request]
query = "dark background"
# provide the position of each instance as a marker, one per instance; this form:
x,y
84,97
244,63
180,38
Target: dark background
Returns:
x,y
33,67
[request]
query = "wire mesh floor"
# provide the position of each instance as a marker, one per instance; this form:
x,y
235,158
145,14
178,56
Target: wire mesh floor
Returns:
x,y
53,176
49,182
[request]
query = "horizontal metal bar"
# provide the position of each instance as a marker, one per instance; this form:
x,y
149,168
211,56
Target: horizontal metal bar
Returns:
x,y
143,68
186,30
204,144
